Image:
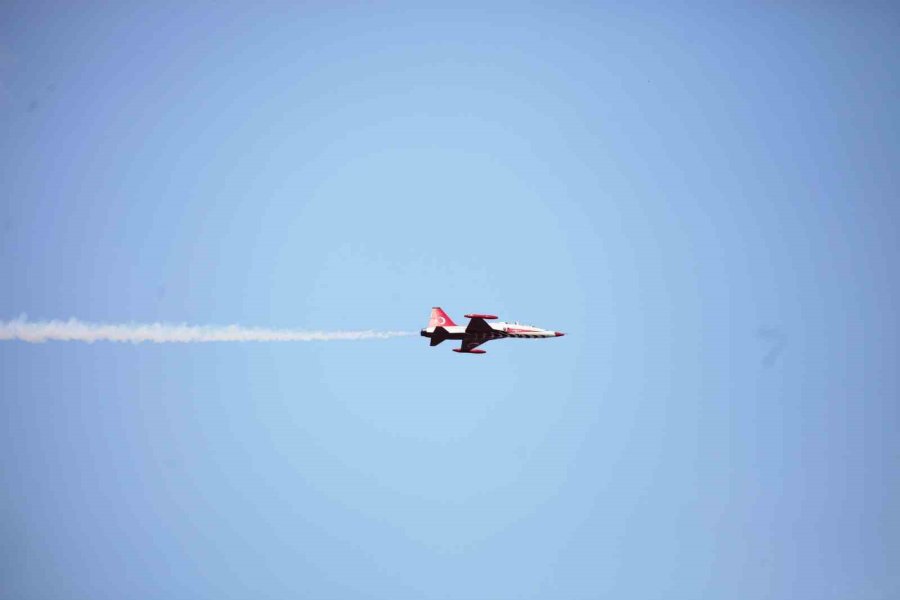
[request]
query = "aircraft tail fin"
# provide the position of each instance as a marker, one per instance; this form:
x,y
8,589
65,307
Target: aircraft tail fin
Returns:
x,y
440,334
439,318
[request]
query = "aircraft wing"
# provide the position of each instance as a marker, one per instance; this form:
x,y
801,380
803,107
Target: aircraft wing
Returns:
x,y
470,343
474,333
478,325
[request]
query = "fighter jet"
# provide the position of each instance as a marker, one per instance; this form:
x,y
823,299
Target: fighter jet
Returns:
x,y
441,327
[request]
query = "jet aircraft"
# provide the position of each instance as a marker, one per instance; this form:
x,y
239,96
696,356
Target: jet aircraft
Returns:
x,y
441,327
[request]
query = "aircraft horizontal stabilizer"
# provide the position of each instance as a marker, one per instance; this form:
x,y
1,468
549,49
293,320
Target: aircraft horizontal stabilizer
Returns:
x,y
440,334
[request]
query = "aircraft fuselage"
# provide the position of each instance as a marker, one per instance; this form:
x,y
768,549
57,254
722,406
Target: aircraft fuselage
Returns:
x,y
441,327
500,330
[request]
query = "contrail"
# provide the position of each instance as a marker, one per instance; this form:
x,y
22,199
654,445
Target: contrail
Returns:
x,y
74,330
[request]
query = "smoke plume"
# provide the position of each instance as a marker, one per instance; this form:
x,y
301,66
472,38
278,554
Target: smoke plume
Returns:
x,y
74,330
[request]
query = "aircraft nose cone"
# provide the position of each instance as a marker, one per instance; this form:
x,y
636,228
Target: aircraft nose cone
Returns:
x,y
559,333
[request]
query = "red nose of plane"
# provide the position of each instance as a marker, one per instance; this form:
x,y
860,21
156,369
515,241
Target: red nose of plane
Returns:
x,y
559,333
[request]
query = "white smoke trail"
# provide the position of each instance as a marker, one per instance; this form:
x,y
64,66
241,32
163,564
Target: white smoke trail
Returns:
x,y
74,330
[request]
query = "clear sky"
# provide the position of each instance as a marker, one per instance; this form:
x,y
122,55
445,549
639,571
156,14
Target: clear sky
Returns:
x,y
705,198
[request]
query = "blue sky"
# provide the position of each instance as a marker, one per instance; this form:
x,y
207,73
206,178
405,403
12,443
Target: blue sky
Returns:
x,y
703,197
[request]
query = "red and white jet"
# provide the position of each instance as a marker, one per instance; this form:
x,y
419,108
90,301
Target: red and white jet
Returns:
x,y
441,327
